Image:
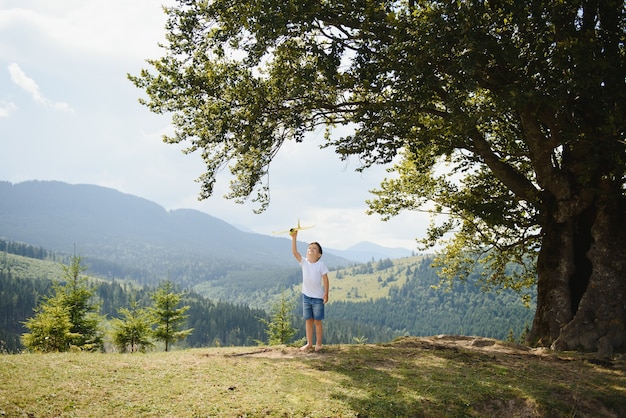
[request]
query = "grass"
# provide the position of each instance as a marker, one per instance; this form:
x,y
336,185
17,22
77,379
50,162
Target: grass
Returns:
x,y
411,377
355,287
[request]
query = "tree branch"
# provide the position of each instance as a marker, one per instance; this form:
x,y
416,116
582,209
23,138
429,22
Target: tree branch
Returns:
x,y
510,177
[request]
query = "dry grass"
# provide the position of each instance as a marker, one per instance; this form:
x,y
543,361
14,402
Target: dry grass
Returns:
x,y
412,377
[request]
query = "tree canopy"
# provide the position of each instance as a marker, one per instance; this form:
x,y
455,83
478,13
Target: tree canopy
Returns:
x,y
509,116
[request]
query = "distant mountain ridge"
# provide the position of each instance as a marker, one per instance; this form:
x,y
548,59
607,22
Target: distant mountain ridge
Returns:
x,y
366,251
103,223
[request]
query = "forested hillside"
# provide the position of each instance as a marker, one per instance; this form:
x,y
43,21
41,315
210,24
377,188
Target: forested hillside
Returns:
x,y
404,295
374,301
383,299
27,273
25,281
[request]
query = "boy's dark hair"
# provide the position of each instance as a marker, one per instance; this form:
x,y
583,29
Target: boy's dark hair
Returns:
x,y
318,246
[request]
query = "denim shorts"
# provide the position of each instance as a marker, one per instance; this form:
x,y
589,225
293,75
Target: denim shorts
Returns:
x,y
312,308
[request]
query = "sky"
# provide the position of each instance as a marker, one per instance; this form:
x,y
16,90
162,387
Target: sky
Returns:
x,y
68,113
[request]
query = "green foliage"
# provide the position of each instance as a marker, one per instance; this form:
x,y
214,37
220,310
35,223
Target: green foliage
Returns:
x,y
253,287
77,295
133,332
21,283
50,328
523,336
167,316
68,317
455,82
25,250
279,328
222,323
510,338
359,340
505,120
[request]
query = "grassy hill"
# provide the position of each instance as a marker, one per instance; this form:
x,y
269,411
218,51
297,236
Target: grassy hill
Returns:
x,y
26,267
360,282
372,280
410,377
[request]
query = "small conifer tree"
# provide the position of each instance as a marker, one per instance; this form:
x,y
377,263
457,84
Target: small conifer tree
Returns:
x,y
510,338
49,328
67,318
78,296
280,329
167,316
133,332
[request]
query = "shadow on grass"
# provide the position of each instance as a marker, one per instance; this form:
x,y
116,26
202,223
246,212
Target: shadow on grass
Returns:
x,y
435,381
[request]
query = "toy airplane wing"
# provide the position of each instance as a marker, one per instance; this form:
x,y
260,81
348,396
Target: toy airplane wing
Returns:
x,y
297,228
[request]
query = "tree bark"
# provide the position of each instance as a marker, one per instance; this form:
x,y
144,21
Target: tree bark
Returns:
x,y
581,291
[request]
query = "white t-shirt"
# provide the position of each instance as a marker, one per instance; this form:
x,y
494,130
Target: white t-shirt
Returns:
x,y
312,273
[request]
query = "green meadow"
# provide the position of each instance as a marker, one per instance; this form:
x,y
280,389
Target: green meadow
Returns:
x,y
409,377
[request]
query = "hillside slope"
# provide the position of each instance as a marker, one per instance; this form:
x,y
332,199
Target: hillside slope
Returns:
x,y
108,227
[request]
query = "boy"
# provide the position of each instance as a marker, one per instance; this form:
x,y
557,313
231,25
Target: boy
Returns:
x,y
314,290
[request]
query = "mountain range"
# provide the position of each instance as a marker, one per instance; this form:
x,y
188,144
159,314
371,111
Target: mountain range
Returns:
x,y
107,226
124,238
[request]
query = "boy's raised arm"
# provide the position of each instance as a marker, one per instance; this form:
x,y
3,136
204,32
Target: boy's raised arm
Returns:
x,y
294,245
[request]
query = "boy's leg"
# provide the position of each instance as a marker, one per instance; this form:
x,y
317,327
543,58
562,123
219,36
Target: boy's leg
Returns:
x,y
309,334
319,333
307,312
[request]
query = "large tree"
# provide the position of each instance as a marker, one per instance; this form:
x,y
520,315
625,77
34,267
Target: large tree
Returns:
x,y
508,115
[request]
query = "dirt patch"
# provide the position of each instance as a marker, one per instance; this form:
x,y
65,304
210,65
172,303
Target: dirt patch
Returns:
x,y
440,342
268,352
513,408
487,346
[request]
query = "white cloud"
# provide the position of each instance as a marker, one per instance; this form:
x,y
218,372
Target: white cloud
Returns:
x,y
114,27
6,108
30,86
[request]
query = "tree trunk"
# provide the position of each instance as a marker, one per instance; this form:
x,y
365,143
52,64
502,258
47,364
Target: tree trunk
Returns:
x,y
581,290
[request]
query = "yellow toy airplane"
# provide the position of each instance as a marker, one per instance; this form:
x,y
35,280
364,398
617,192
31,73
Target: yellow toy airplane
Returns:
x,y
297,228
